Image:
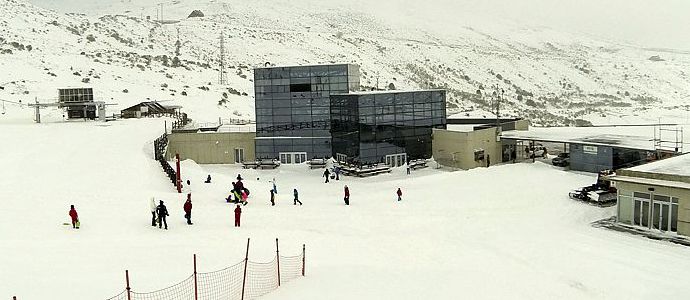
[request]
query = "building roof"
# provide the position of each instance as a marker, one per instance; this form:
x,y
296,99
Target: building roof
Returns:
x,y
304,66
650,181
387,92
677,165
632,137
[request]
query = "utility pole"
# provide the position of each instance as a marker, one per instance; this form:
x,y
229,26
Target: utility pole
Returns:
x,y
161,11
222,79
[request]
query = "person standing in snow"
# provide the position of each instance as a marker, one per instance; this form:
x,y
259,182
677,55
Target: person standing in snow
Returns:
x,y
275,189
188,211
337,173
326,174
488,160
188,190
162,212
239,177
238,212
347,195
239,186
74,216
153,211
297,198
273,198
408,168
399,192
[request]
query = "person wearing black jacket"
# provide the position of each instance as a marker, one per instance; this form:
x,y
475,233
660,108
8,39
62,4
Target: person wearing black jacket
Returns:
x,y
297,198
162,213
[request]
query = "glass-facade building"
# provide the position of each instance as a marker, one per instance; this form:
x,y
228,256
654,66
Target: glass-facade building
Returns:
x,y
385,127
293,119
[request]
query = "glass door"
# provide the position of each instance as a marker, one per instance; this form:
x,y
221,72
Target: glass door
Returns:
x,y
642,209
239,155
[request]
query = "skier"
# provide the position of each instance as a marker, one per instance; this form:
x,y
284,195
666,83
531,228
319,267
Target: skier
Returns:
x,y
326,174
188,211
153,211
399,192
238,212
162,212
244,198
273,198
208,179
74,216
188,190
297,198
347,196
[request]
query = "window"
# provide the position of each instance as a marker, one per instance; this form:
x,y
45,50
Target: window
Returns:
x,y
300,87
478,154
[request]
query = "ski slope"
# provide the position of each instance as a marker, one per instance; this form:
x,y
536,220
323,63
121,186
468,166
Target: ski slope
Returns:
x,y
507,232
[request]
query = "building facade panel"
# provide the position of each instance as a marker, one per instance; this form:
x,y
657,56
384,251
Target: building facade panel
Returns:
x,y
368,127
293,107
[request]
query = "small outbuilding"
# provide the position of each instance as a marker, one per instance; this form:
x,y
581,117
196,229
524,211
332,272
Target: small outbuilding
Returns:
x,y
655,196
149,109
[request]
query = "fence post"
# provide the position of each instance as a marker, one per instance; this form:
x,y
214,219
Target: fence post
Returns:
x,y
278,260
129,290
244,278
304,248
179,177
196,290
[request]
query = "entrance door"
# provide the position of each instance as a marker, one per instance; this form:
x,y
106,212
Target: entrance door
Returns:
x,y
239,155
661,216
642,209
293,157
396,160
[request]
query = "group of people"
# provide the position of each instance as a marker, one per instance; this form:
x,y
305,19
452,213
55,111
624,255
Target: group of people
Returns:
x,y
159,212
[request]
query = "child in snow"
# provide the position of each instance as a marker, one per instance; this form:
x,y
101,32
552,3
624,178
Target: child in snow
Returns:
x,y
244,197
238,212
297,198
399,192
188,211
326,174
162,212
273,198
347,195
74,216
188,190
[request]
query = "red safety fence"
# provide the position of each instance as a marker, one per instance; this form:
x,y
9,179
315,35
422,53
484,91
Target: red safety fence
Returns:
x,y
243,280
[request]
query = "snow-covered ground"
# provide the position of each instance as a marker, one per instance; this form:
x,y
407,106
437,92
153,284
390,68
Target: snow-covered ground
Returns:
x,y
506,232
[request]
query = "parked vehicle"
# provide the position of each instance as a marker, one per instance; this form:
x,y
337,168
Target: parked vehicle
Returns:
x,y
562,160
537,151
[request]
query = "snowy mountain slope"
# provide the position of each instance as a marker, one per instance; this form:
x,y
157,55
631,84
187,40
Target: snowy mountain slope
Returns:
x,y
549,76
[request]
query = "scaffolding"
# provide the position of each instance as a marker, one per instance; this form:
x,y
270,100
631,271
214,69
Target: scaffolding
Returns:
x,y
668,138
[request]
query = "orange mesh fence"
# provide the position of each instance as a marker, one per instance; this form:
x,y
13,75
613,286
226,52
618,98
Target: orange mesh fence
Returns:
x,y
221,284
228,283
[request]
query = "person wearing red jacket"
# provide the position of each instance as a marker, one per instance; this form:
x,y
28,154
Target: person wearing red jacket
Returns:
x,y
399,194
347,195
75,217
238,212
188,211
